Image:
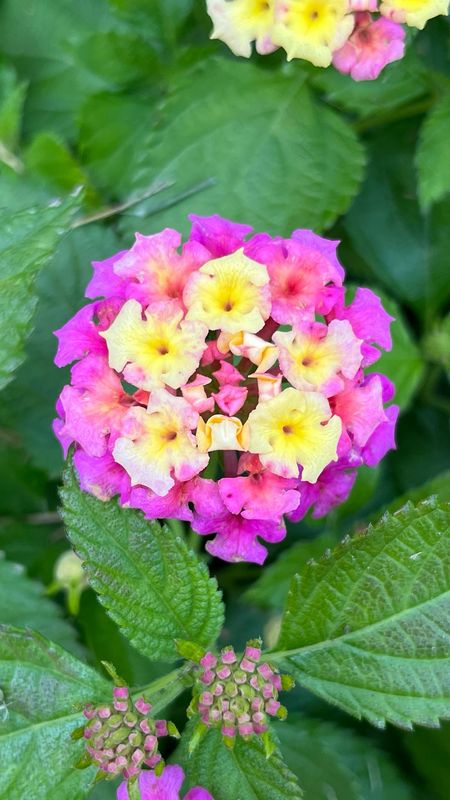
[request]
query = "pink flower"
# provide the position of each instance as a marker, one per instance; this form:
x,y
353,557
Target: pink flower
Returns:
x,y
189,364
372,45
165,787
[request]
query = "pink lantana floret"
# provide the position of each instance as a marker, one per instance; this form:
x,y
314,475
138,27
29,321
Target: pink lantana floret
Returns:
x,y
164,787
232,354
373,44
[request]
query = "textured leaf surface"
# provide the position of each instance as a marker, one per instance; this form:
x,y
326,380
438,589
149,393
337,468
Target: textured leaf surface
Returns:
x,y
153,586
42,685
433,153
29,403
368,627
279,160
23,604
27,241
333,763
243,773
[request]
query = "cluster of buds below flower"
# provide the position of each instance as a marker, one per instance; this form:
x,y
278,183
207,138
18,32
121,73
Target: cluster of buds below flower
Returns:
x,y
122,738
238,695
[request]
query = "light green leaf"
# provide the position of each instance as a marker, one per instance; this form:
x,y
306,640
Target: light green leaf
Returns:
x,y
24,605
366,628
333,763
243,772
43,685
271,588
27,241
153,586
12,98
433,154
49,158
279,160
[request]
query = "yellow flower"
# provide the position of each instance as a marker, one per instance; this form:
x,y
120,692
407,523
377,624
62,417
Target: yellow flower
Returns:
x,y
240,22
157,446
313,29
294,429
310,362
158,350
414,12
229,294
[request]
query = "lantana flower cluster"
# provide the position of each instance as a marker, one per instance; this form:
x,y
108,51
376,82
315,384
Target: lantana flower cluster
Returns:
x,y
360,37
237,695
223,382
122,738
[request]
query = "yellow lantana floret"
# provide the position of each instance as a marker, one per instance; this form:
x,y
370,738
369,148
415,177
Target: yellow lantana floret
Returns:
x,y
157,446
294,429
313,363
220,433
240,22
414,12
229,294
158,350
313,29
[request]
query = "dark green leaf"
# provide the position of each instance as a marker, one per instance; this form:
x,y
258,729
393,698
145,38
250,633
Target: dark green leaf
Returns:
x,y
243,772
366,628
278,159
433,154
27,241
430,751
24,605
43,685
151,584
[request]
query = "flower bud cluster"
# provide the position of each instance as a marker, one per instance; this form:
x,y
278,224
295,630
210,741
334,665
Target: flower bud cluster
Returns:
x,y
122,738
238,695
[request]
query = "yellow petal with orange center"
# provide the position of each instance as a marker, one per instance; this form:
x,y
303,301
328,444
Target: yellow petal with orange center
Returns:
x,y
294,429
229,294
239,22
309,362
160,349
313,29
414,12
158,446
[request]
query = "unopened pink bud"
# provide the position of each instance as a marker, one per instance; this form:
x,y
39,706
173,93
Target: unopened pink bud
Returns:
x,y
266,671
153,760
141,706
209,660
228,716
145,727
260,728
206,699
228,730
276,682
223,673
272,707
218,690
246,729
253,653
207,677
228,656
248,666
267,691
258,717
150,742
104,713
137,756
121,692
121,705
161,727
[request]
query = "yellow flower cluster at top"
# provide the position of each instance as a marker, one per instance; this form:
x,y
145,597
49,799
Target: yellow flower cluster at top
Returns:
x,y
308,29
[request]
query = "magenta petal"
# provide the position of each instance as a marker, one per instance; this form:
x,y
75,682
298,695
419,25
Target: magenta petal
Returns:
x,y
78,337
220,236
382,439
197,793
105,282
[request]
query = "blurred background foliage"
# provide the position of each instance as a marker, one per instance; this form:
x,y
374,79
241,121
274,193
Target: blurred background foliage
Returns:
x,y
131,100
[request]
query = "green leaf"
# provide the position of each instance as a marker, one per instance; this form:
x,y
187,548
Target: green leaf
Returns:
x,y
278,159
332,762
430,751
440,486
433,154
271,588
399,84
23,604
49,158
30,400
27,241
243,772
43,685
406,251
403,364
367,627
12,98
151,584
